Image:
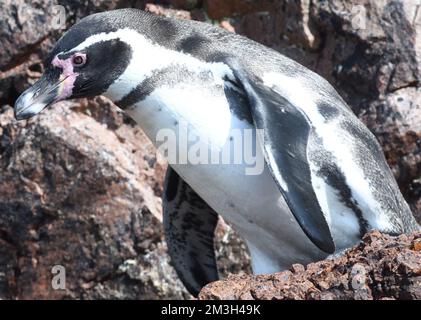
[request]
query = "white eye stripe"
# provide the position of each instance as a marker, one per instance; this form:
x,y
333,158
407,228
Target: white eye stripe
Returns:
x,y
122,34
96,38
148,57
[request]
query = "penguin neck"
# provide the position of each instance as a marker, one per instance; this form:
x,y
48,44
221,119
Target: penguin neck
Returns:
x,y
162,88
184,111
149,58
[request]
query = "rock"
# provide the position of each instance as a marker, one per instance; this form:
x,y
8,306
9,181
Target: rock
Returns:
x,y
22,28
218,9
231,252
72,193
227,25
381,267
159,10
185,4
395,119
279,24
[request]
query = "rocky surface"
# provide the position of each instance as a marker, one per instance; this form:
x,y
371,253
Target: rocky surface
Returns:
x,y
76,193
80,185
381,267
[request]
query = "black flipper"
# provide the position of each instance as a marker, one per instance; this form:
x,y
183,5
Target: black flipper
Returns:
x,y
285,137
189,225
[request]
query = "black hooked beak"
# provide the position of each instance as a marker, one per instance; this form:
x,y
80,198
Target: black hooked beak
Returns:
x,y
43,93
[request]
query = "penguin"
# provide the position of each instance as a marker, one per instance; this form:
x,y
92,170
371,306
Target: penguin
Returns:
x,y
323,182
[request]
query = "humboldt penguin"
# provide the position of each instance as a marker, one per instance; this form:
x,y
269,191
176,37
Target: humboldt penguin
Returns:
x,y
319,181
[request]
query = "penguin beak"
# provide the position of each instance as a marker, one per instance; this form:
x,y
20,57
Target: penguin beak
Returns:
x,y
36,98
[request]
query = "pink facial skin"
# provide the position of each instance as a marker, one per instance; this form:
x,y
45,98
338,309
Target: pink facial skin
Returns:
x,y
68,73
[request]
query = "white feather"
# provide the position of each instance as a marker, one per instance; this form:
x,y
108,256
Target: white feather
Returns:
x,y
208,114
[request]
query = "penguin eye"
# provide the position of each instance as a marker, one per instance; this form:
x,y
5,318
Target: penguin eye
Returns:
x,y
78,60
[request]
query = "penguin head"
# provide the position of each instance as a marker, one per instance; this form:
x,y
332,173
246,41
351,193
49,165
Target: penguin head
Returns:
x,y
83,63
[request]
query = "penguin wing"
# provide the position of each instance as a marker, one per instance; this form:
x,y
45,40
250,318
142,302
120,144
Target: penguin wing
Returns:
x,y
285,138
189,225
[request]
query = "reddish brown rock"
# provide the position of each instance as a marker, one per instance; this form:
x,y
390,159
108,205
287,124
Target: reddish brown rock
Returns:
x,y
77,194
22,28
185,4
227,26
218,9
381,267
171,13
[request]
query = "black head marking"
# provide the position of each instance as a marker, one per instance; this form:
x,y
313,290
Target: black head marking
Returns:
x,y
106,61
106,22
172,181
145,88
238,103
328,111
87,27
164,30
168,76
194,44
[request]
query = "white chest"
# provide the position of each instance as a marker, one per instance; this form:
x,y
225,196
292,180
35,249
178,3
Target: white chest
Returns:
x,y
214,151
239,187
